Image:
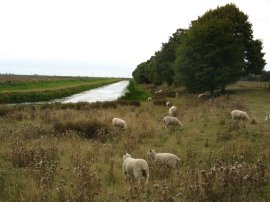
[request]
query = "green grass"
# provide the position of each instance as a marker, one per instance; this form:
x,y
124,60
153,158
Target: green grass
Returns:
x,y
47,85
17,92
135,92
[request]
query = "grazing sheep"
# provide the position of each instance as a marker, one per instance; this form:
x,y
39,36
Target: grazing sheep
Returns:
x,y
202,96
168,103
172,121
119,123
150,99
137,168
267,118
238,114
168,158
158,91
173,111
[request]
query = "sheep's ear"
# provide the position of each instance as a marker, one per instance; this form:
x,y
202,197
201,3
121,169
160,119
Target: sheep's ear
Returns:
x,y
150,150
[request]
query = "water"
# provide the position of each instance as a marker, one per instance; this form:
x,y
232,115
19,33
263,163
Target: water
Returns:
x,y
106,93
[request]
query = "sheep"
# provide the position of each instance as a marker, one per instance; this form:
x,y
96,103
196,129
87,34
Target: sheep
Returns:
x,y
158,91
176,94
172,111
238,114
267,118
202,96
137,168
150,99
169,120
119,123
168,103
170,159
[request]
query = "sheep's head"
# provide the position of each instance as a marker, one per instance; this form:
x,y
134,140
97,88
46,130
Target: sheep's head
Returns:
x,y
267,118
126,155
253,121
151,153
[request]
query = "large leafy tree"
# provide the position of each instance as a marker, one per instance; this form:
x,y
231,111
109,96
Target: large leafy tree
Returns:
x,y
242,29
210,56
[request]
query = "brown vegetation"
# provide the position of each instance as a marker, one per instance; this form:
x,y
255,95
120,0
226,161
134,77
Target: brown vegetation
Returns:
x,y
73,153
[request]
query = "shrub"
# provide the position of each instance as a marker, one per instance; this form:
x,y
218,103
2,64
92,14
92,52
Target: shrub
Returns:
x,y
85,128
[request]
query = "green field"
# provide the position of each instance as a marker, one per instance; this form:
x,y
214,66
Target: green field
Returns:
x,y
71,152
22,89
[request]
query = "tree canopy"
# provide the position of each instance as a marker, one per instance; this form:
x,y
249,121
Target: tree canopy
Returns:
x,y
210,56
216,50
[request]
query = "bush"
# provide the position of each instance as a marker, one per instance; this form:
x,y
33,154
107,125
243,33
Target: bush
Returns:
x,y
85,128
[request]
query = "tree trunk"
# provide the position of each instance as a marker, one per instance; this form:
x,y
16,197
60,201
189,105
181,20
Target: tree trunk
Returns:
x,y
212,93
222,89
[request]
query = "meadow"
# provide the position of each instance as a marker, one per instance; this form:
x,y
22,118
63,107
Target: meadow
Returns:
x,y
71,152
20,88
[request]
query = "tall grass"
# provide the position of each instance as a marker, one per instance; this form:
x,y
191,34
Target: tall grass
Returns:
x,y
73,153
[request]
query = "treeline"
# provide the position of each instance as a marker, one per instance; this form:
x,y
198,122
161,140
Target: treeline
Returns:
x,y
216,50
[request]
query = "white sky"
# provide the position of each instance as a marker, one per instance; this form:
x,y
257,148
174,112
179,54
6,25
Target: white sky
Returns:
x,y
102,37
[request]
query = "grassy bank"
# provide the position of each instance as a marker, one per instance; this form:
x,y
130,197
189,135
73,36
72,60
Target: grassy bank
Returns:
x,y
71,152
136,92
18,91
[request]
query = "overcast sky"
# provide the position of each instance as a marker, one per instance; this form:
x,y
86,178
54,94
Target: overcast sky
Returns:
x,y
102,37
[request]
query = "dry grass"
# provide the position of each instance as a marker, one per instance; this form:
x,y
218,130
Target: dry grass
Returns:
x,y
60,153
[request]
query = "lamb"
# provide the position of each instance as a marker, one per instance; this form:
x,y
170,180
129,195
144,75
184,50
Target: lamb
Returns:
x,y
238,114
170,159
119,123
168,104
169,120
172,111
137,168
267,118
150,99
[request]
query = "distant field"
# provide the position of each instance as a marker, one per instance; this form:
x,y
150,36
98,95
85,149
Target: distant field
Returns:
x,y
14,89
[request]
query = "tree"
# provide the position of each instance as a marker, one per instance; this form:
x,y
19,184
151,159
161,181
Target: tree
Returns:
x,y
242,29
255,63
159,68
139,74
210,56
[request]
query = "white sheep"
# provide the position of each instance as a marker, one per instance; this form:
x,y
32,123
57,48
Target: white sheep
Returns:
x,y
168,103
150,99
172,111
170,159
158,91
119,123
172,121
238,114
176,94
202,96
267,118
137,168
